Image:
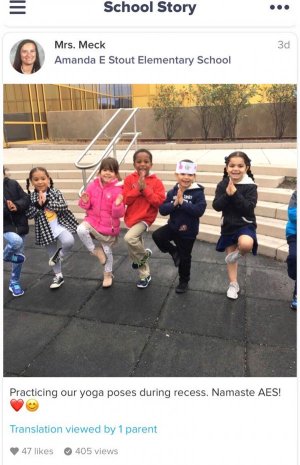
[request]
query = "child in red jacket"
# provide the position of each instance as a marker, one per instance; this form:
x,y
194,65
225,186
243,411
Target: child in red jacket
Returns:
x,y
143,194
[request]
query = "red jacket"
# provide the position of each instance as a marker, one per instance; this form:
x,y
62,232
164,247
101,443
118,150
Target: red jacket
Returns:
x,y
142,205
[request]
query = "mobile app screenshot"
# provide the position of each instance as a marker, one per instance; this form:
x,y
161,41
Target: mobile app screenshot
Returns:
x,y
149,234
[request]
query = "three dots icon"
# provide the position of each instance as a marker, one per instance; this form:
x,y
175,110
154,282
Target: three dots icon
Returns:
x,y
280,7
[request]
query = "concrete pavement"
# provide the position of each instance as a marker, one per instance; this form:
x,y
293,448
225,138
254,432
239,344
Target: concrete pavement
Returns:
x,y
82,329
268,155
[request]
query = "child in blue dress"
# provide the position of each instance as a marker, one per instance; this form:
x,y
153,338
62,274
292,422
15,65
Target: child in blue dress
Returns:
x,y
236,198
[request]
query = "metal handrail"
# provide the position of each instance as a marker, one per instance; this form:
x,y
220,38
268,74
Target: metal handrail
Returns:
x,y
111,146
95,139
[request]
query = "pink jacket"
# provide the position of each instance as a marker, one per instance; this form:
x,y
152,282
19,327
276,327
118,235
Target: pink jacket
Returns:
x,y
101,211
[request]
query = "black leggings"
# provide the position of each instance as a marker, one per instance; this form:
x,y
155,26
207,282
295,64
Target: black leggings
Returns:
x,y
292,260
163,237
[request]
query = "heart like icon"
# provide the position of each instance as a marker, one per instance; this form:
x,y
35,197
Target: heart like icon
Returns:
x,y
17,404
14,450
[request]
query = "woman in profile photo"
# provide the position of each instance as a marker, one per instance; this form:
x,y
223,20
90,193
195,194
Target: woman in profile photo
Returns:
x,y
27,60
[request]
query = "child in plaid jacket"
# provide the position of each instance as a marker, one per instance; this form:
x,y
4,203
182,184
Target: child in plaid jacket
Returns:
x,y
53,220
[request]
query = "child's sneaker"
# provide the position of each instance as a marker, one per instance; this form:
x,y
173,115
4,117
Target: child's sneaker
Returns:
x,y
55,258
107,279
143,282
16,258
145,258
181,288
57,282
293,305
233,257
16,289
233,290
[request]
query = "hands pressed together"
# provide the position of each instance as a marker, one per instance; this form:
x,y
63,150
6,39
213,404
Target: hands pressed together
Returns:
x,y
179,198
231,189
141,181
42,198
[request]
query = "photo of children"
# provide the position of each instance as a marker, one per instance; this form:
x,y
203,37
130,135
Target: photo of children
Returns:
x,y
138,229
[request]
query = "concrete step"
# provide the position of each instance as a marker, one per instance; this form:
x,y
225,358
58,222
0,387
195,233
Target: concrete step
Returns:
x,y
271,210
278,195
269,170
271,227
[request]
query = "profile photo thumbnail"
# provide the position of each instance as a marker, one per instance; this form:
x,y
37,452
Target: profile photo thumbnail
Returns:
x,y
27,56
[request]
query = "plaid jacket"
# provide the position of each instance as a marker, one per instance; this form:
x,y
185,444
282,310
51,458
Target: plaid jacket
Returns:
x,y
56,203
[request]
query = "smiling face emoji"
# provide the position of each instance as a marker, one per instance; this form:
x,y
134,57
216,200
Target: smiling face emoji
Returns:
x,y
32,405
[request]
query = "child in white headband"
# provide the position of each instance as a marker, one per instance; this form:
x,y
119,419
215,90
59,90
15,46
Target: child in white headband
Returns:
x,y
185,203
186,167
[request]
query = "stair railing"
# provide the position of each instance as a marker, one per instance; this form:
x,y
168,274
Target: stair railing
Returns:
x,y
112,146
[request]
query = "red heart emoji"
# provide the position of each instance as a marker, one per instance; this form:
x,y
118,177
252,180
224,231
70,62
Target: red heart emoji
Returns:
x,y
17,404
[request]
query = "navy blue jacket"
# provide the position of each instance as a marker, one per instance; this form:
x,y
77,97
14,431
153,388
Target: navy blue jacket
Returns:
x,y
184,219
237,209
15,221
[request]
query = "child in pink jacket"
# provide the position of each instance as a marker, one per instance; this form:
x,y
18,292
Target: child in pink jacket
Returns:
x,y
103,203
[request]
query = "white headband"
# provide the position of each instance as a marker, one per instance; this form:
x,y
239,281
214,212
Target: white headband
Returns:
x,y
186,167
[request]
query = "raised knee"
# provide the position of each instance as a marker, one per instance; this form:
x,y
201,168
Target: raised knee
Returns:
x,y
246,244
17,242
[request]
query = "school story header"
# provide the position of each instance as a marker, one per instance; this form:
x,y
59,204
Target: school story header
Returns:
x,y
149,7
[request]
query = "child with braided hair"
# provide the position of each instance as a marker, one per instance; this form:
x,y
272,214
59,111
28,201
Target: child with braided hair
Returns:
x,y
236,198
53,220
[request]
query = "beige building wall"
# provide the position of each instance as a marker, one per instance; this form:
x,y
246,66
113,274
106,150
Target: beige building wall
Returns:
x,y
255,123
